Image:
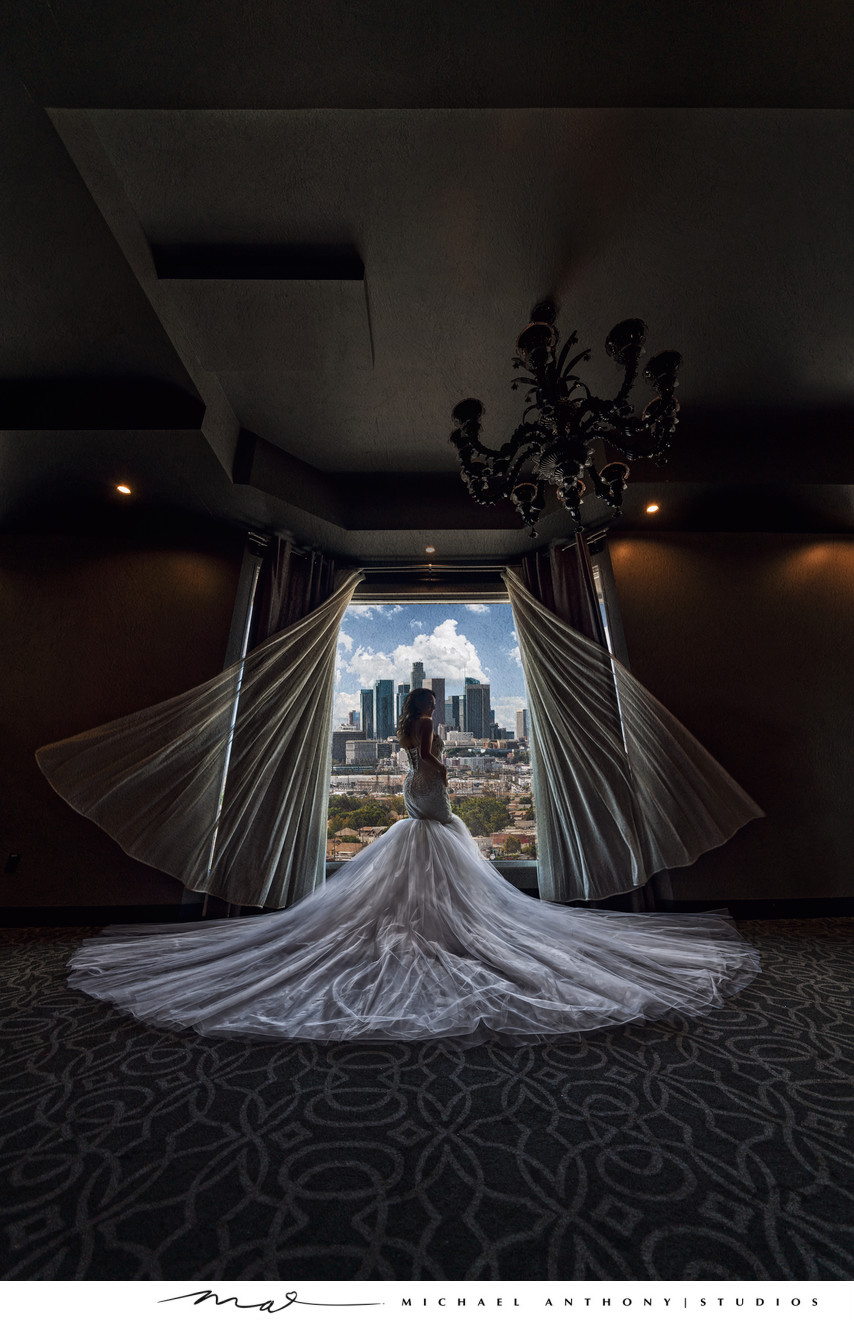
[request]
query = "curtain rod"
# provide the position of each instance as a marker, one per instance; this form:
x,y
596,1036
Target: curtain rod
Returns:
x,y
433,566
455,567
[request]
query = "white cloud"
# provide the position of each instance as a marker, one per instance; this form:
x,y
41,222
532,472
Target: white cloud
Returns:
x,y
364,610
478,609
345,641
513,652
344,704
445,652
506,709
416,624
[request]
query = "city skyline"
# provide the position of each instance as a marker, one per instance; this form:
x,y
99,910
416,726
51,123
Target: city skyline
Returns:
x,y
452,642
470,712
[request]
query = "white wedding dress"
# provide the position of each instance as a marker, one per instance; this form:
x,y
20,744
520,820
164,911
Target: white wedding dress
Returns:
x,y
417,937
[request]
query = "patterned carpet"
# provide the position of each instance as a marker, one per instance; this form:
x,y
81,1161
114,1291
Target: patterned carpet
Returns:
x,y
718,1149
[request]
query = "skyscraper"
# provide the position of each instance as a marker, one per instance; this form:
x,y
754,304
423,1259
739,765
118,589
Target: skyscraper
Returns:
x,y
522,723
457,707
384,709
438,687
402,690
417,676
477,709
367,712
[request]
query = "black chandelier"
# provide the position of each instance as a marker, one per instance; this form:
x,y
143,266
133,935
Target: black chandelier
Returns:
x,y
554,443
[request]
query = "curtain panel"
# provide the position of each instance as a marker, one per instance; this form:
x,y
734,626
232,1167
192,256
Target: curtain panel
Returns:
x,y
223,787
292,584
562,579
622,789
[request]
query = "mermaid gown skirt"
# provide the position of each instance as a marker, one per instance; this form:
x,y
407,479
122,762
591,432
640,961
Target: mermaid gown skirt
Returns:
x,y
417,937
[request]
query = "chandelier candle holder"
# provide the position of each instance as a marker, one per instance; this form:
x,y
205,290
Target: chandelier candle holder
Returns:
x,y
555,442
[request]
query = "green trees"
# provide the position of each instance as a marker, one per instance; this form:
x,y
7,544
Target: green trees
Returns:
x,y
341,803
350,812
484,814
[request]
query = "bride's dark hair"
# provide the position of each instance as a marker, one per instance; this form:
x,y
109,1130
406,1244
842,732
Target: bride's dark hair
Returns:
x,y
411,711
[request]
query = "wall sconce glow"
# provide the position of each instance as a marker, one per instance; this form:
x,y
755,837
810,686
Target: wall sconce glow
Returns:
x,y
124,490
652,509
430,549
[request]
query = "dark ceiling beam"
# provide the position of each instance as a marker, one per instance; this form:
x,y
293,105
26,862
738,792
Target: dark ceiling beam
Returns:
x,y
220,426
400,54
97,404
749,444
738,507
361,502
397,502
252,261
266,468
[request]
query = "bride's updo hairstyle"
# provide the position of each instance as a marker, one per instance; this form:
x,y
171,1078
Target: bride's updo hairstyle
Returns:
x,y
411,711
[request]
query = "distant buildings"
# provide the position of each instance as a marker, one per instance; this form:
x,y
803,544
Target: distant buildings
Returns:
x,y
470,711
361,752
384,720
367,712
438,688
478,716
340,740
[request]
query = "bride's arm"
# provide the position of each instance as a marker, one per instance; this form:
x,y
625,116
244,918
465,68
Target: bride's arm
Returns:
x,y
425,746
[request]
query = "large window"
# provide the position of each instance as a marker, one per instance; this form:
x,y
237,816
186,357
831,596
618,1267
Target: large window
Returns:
x,y
468,655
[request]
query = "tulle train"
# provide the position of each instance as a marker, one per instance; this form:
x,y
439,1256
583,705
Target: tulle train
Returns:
x,y
418,937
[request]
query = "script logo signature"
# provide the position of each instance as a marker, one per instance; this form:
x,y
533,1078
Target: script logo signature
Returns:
x,y
264,1305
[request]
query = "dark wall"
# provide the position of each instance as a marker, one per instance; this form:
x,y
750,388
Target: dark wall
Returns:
x,y
749,639
91,629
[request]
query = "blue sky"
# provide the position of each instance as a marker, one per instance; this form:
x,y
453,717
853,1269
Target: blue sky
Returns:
x,y
381,642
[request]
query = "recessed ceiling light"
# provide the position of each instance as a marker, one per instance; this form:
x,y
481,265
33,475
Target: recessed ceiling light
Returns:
x,y
429,549
125,490
652,509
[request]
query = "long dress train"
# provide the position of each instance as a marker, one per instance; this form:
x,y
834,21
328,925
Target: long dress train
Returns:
x,y
417,937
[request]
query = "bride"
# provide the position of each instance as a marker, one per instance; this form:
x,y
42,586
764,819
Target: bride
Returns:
x,y
417,937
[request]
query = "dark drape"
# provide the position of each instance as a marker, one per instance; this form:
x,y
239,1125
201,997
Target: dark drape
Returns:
x,y
562,579
292,584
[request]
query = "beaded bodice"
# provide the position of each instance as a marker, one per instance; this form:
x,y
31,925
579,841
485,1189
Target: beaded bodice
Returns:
x,y
425,793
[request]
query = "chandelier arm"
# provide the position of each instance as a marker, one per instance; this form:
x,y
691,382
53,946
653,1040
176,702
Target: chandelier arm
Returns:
x,y
562,421
570,341
514,472
583,357
629,378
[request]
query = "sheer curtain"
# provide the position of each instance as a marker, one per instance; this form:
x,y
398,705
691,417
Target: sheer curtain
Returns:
x,y
623,790
224,787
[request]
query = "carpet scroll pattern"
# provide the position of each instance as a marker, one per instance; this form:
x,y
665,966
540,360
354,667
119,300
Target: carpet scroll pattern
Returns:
x,y
715,1149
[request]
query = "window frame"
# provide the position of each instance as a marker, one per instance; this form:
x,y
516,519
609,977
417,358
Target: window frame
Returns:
x,y
439,585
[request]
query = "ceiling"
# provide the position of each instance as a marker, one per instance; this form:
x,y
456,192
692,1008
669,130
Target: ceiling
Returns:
x,y
254,254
